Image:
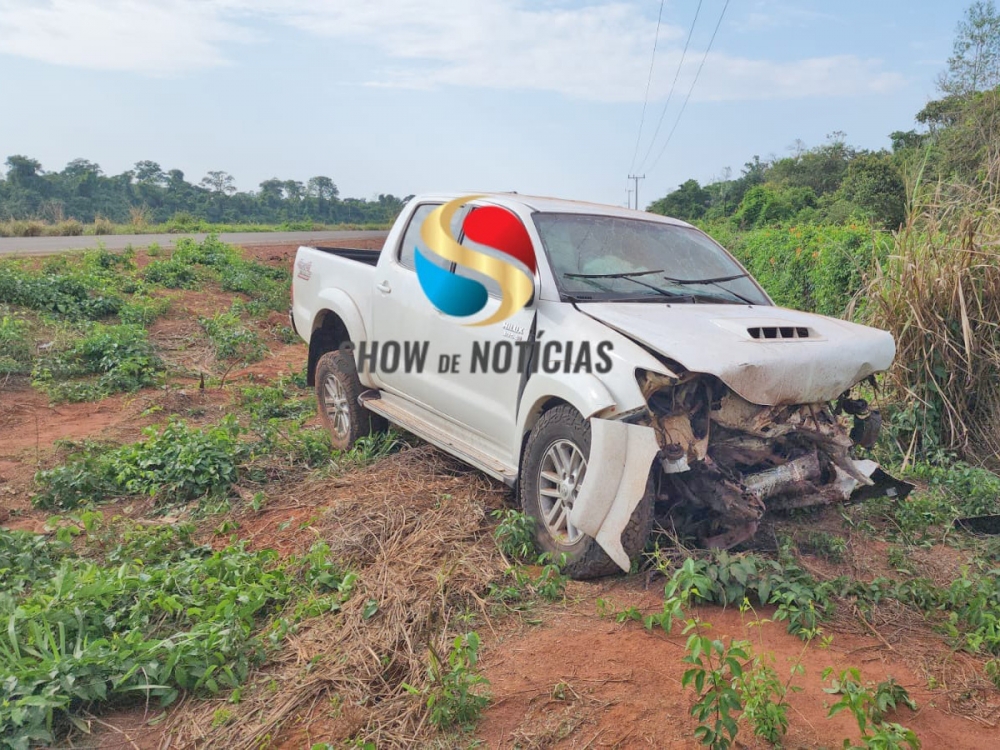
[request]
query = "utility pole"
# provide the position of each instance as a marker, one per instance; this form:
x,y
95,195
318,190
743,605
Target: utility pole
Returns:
x,y
628,197
636,178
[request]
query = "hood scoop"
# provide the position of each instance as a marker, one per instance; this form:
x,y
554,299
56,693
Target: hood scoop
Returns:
x,y
772,333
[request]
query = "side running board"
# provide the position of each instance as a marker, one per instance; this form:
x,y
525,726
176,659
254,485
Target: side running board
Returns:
x,y
464,444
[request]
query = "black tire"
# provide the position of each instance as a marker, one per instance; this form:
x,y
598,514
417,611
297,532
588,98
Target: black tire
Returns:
x,y
337,392
563,425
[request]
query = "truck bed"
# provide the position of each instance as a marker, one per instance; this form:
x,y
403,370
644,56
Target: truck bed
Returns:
x,y
369,257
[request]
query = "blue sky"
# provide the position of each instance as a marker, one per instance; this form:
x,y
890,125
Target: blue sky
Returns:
x,y
406,96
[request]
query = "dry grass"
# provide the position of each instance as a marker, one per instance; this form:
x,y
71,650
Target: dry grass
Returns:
x,y
414,527
139,217
939,295
39,228
103,225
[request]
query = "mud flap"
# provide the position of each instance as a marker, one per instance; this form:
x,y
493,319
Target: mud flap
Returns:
x,y
620,457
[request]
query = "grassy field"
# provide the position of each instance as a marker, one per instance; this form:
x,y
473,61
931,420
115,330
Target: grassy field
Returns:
x,y
185,562
74,228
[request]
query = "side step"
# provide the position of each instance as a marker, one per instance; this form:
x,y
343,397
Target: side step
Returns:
x,y
438,431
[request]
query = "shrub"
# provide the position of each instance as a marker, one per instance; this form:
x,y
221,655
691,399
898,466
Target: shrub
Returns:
x,y
121,355
142,311
102,225
278,401
231,339
455,696
869,708
728,579
264,284
75,294
817,268
15,346
209,252
67,228
181,463
172,274
178,463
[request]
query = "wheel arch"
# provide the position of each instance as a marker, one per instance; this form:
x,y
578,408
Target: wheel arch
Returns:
x,y
338,321
329,332
584,393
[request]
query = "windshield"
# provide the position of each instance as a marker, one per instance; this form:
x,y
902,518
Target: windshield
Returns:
x,y
606,258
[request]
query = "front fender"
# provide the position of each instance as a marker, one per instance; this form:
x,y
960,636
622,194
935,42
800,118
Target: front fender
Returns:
x,y
620,457
584,392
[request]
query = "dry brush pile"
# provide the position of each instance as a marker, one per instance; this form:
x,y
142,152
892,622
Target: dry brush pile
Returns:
x,y
414,528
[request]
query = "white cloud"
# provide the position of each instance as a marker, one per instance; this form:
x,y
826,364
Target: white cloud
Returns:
x,y
149,36
599,51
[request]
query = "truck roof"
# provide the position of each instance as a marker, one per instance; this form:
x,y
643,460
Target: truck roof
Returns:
x,y
547,205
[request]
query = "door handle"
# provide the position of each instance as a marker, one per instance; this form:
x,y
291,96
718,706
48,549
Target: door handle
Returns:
x,y
384,287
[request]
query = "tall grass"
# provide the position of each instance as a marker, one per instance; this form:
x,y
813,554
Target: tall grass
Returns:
x,y
939,294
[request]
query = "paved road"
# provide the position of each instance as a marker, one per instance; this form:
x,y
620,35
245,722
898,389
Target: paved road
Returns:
x,y
47,245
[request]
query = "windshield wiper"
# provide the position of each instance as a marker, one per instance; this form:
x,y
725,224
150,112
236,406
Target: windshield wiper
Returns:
x,y
715,282
641,298
630,276
623,275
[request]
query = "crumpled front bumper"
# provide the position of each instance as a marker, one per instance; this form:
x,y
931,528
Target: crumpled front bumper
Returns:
x,y
619,470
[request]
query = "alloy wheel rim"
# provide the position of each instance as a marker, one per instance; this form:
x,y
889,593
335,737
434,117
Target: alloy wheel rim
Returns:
x,y
337,406
560,477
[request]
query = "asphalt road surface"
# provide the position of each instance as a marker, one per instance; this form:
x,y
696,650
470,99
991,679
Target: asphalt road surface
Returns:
x,y
47,245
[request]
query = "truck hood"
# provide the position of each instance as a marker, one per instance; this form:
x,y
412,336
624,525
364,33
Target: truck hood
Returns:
x,y
768,355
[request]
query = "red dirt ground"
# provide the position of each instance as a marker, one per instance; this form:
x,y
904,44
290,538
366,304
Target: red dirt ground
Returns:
x,y
620,684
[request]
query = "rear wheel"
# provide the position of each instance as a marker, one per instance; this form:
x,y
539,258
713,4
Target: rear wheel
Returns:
x,y
552,473
337,392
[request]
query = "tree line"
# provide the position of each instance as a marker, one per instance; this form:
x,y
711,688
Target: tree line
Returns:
x,y
838,183
149,194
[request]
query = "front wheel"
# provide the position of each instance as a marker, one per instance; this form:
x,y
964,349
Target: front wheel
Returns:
x,y
552,473
337,392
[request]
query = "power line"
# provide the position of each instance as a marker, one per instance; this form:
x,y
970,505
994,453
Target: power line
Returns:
x,y
649,78
686,98
672,85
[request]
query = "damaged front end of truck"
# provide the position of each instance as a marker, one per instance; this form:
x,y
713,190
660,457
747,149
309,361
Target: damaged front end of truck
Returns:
x,y
724,461
763,415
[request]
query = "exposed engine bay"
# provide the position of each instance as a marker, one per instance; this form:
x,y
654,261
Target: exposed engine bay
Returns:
x,y
723,461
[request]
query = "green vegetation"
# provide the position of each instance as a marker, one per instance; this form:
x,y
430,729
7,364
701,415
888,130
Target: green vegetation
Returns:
x,y
716,668
905,240
763,696
178,463
456,693
81,199
528,574
233,341
870,708
121,356
515,533
809,266
73,301
175,464
174,273
15,346
145,614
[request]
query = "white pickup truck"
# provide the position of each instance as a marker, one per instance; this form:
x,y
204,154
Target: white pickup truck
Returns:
x,y
611,365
